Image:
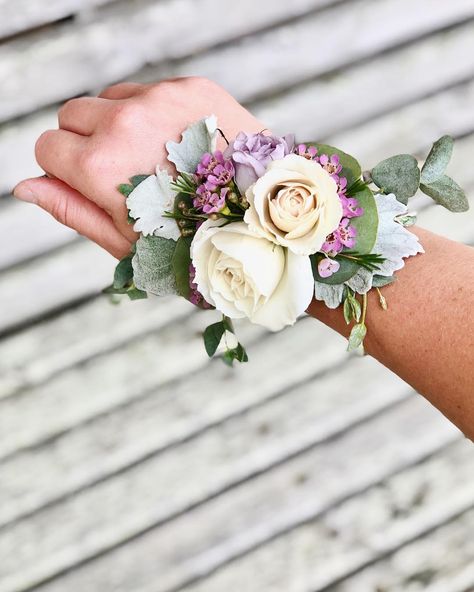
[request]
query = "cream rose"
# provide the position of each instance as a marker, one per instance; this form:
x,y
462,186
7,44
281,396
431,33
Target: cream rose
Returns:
x,y
245,275
294,204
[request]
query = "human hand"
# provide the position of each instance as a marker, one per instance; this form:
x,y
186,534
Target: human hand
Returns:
x,y
104,140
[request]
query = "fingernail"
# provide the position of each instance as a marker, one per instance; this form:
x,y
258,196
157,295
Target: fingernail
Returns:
x,y
24,193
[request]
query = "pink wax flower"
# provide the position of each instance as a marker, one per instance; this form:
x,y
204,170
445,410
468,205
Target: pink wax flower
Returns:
x,y
331,163
212,200
309,152
346,233
326,267
350,207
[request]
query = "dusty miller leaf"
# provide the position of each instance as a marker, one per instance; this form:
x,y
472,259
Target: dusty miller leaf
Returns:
x,y
198,138
399,175
149,201
152,265
437,160
331,295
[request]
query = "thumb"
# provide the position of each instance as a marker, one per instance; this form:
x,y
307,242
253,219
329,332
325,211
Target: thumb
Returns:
x,y
72,209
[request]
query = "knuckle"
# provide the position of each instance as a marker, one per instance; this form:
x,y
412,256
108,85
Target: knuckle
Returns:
x,y
127,114
88,160
41,143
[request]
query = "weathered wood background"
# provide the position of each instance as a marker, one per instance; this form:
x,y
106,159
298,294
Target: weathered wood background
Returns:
x,y
128,462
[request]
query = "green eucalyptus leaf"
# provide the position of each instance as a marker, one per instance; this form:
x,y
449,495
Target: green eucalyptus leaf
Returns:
x,y
350,167
152,265
367,224
123,275
347,309
237,353
137,179
212,337
447,193
181,261
125,189
356,308
357,336
346,270
437,160
399,175
135,293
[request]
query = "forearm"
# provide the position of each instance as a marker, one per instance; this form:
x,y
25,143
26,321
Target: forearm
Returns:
x,y
426,335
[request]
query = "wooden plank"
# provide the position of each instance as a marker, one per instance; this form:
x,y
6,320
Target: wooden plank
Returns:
x,y
391,524
28,232
31,357
65,276
293,422
230,525
297,53
27,14
144,367
97,54
324,107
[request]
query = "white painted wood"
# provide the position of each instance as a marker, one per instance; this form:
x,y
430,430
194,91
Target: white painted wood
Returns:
x,y
231,524
26,14
299,52
323,107
82,269
123,38
284,426
145,366
33,356
460,581
403,508
27,231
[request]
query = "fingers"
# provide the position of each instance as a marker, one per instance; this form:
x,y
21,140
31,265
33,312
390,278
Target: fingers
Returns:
x,y
124,90
82,115
59,152
74,210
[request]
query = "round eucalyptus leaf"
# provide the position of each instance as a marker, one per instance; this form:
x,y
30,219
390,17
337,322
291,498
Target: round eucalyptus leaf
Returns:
x,y
447,193
399,175
367,224
437,160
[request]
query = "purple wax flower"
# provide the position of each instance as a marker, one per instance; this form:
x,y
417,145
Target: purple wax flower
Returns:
x,y
215,170
210,201
341,184
350,207
326,267
346,233
252,153
309,152
195,297
331,163
333,245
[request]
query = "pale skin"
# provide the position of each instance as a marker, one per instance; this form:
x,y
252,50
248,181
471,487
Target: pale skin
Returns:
x,y
427,334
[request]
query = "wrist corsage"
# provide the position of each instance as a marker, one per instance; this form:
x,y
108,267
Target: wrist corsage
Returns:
x,y
265,226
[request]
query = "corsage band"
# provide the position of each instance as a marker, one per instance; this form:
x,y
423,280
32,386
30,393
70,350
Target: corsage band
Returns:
x,y
265,226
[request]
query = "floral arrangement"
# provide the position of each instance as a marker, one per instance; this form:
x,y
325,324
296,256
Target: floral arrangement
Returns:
x,y
265,226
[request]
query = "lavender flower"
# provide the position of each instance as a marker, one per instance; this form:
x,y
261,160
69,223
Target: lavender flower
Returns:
x,y
252,153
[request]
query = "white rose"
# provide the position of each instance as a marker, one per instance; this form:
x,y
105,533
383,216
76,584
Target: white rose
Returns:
x,y
245,275
294,204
